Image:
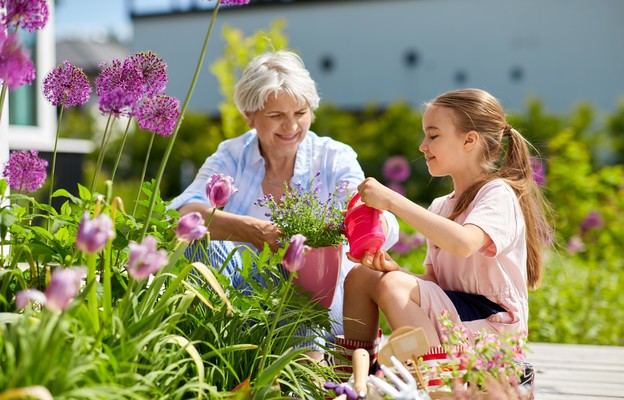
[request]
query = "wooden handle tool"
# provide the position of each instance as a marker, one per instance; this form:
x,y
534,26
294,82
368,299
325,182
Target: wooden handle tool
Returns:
x,y
361,363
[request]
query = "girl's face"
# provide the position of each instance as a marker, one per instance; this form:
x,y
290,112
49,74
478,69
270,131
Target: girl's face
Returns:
x,y
281,125
442,145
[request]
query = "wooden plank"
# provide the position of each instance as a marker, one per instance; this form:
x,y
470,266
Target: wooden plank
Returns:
x,y
570,371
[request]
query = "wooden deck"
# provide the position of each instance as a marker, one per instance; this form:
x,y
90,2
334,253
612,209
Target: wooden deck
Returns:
x,y
572,372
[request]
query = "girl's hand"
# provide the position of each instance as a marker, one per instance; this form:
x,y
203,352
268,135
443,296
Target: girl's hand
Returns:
x,y
376,195
379,261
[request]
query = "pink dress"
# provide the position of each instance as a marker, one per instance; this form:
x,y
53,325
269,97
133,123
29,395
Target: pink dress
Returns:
x,y
497,271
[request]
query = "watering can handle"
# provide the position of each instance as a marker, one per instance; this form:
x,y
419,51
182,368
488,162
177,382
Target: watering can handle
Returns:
x,y
354,199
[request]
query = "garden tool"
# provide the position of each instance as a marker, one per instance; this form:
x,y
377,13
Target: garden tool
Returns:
x,y
361,363
405,343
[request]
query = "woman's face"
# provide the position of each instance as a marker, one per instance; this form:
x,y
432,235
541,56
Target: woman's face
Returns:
x,y
282,124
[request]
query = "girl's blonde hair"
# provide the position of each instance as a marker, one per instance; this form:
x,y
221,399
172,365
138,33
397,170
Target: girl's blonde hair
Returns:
x,y
477,110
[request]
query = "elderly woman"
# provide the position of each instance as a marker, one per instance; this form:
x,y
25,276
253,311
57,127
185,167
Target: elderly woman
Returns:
x,y
277,97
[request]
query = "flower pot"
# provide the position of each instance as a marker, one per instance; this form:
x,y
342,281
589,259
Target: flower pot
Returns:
x,y
319,273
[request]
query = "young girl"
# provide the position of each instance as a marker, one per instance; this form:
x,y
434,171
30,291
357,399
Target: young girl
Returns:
x,y
484,239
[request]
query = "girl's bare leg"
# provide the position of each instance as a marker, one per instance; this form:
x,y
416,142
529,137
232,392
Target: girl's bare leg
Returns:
x,y
396,293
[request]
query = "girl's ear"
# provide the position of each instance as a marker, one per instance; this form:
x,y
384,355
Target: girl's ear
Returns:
x,y
471,139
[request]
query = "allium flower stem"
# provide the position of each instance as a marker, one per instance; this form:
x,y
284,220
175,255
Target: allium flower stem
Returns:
x,y
163,163
149,150
121,149
2,97
102,149
58,131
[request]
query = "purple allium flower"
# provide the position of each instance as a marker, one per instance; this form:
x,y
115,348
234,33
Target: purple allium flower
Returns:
x,y
63,288
25,14
159,114
397,187
219,189
16,69
153,72
93,234
575,245
23,297
593,220
234,2
119,87
397,169
145,259
191,227
293,258
67,86
25,171
539,171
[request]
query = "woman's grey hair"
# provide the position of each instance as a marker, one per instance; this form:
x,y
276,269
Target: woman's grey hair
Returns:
x,y
271,74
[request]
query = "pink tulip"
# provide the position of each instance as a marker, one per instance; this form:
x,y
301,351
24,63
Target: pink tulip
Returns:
x,y
64,287
219,189
23,297
191,227
293,258
145,259
93,234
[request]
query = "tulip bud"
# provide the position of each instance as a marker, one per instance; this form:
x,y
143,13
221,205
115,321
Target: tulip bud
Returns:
x,y
293,258
63,287
219,189
145,259
23,297
93,234
191,227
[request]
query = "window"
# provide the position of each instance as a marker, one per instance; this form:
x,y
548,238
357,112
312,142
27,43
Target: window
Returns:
x,y
23,100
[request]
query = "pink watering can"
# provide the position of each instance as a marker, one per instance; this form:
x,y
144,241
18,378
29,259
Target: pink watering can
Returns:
x,y
363,228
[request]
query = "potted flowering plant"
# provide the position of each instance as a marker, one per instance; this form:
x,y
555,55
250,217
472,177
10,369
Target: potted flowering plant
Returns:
x,y
301,211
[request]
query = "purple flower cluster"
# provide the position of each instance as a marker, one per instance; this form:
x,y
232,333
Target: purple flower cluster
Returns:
x,y
16,69
159,114
395,171
407,242
119,87
67,86
153,72
25,14
25,171
539,171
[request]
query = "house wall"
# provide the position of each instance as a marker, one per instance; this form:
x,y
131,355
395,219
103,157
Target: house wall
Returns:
x,y
562,51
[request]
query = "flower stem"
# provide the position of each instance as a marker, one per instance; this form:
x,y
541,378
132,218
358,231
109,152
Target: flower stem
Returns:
x,y
149,150
121,149
58,131
2,97
92,294
269,338
163,163
101,155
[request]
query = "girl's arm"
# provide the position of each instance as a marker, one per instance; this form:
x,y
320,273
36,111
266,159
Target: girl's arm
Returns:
x,y
459,240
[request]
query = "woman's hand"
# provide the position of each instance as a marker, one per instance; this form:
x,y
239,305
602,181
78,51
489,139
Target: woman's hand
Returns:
x,y
261,232
376,195
379,261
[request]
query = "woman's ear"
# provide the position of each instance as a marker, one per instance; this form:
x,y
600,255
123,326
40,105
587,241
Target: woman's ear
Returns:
x,y
249,118
471,139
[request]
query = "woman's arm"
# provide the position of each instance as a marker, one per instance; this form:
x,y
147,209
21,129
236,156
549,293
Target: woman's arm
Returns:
x,y
240,228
